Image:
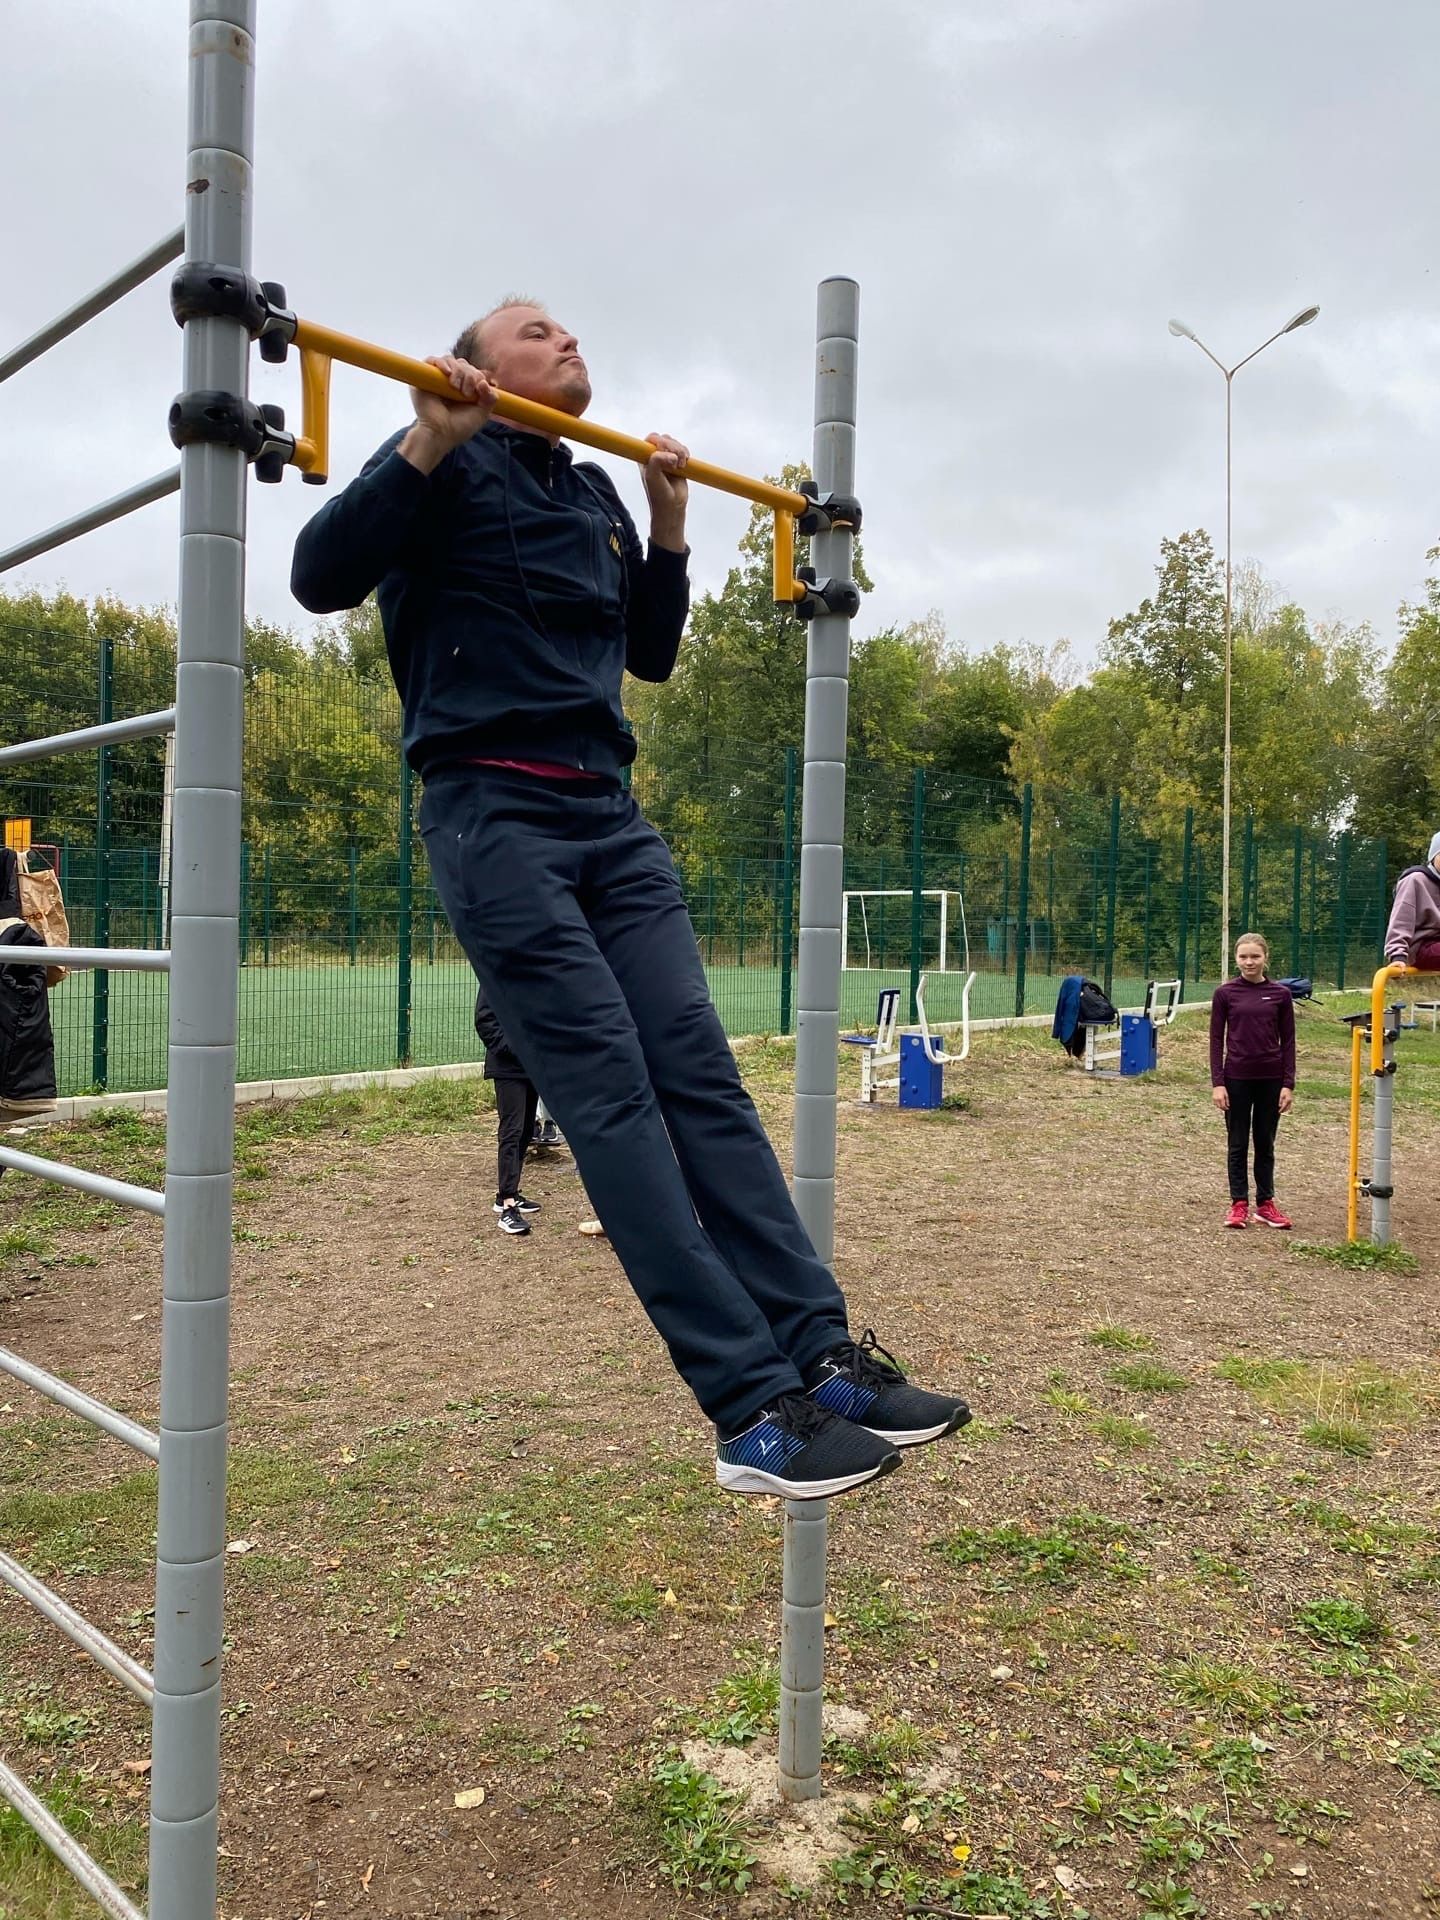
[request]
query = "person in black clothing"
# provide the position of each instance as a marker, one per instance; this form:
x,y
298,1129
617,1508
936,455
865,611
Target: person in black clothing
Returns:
x,y
27,1044
515,593
515,1104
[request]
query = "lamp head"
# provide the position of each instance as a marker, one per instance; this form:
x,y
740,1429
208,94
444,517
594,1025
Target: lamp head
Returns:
x,y
1302,319
1182,332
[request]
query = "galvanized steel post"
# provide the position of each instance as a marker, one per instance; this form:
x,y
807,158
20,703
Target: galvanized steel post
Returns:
x,y
1022,909
185,1767
827,692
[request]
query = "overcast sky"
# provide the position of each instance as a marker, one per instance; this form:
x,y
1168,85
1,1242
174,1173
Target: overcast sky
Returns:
x,y
1026,190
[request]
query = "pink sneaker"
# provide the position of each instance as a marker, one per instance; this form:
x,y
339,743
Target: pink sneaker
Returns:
x,y
1271,1215
1239,1214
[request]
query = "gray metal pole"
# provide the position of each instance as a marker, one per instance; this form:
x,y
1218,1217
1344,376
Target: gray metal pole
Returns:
x,y
143,494
817,1027
1383,1126
185,1769
105,295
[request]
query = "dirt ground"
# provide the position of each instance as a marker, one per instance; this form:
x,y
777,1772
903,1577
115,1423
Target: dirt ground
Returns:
x,y
1155,1636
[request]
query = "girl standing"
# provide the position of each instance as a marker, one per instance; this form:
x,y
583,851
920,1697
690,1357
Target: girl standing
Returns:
x,y
1252,1075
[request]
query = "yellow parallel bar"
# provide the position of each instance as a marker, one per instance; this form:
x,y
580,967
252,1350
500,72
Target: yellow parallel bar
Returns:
x,y
788,589
1378,985
529,413
1352,1209
312,449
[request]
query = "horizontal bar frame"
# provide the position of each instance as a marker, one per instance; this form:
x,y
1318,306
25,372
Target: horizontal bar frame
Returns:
x,y
117,1425
105,295
139,726
144,494
83,1181
66,1848
529,413
101,959
84,1633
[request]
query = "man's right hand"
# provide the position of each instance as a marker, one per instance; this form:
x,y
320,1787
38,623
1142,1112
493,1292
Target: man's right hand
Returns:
x,y
442,425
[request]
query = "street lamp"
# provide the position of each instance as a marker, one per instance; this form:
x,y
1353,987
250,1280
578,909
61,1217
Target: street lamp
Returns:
x,y
1182,332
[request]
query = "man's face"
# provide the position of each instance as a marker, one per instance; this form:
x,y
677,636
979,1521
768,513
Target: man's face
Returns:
x,y
527,352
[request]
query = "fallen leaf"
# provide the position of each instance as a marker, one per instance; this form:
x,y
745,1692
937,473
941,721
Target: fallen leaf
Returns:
x,y
667,1599
1299,1872
911,1823
1002,1673
241,1546
830,1622
346,1457
550,1656
471,1797
134,1766
1069,1879
368,1876
962,1852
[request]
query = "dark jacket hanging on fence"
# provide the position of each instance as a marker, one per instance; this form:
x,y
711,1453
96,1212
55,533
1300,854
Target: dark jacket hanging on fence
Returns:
x,y
27,1044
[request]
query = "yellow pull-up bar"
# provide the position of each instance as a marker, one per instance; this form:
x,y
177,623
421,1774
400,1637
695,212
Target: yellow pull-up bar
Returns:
x,y
319,346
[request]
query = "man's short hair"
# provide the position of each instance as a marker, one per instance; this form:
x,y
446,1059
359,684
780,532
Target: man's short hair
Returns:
x,y
471,343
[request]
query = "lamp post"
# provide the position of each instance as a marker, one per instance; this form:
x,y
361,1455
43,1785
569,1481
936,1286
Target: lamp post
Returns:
x,y
1182,332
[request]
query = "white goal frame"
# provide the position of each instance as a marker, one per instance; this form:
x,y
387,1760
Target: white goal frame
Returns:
x,y
943,894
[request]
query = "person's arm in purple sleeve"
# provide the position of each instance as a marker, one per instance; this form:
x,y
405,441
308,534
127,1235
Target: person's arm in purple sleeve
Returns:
x,y
1401,930
1287,1051
1218,1007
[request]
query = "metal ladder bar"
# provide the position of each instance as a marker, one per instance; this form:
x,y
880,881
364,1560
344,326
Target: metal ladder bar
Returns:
x,y
105,295
100,1185
100,1647
139,726
115,508
112,959
117,1425
68,1851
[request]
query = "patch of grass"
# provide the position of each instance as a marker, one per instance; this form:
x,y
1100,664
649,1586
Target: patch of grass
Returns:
x,y
742,1706
1078,1543
696,1828
1337,1622
18,1242
1120,1339
1261,1377
1339,1436
1060,1394
92,1530
1370,1538
33,1882
1358,1256
1313,1820
1118,1430
1148,1376
876,1613
1421,1762
885,1753
1228,1688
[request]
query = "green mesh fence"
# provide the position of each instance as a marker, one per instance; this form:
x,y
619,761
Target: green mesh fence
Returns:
x,y
347,962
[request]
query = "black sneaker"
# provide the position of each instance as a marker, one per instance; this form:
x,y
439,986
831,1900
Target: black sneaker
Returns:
x,y
801,1451
865,1384
525,1206
512,1220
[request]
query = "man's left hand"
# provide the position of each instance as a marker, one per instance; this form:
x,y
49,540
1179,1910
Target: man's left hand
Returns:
x,y
667,490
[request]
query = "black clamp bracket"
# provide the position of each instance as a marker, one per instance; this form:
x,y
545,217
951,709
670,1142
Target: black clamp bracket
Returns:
x,y
201,290
827,510
219,419
826,596
1379,1193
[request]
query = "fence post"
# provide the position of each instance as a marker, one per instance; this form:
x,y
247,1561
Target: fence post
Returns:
x,y
1050,911
1005,912
1199,910
266,904
787,896
1342,909
1112,875
1186,857
1145,941
245,903
404,926
1314,904
1094,909
1382,903
354,901
917,884
709,913
100,1001
1022,905
1296,962
1246,896
740,914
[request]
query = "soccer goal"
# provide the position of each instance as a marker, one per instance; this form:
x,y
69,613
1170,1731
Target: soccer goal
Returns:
x,y
871,932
